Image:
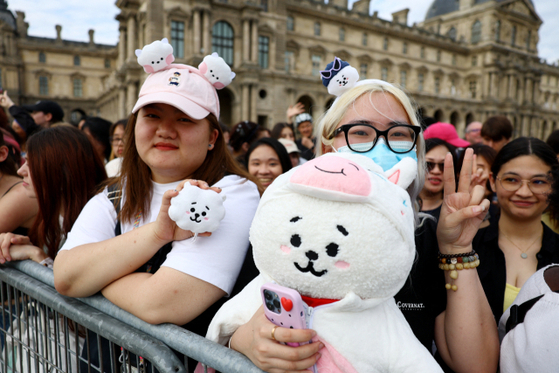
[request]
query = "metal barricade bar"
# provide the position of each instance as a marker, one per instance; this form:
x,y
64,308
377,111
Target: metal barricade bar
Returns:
x,y
190,344
131,339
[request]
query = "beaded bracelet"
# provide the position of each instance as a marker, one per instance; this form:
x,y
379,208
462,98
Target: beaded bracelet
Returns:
x,y
454,262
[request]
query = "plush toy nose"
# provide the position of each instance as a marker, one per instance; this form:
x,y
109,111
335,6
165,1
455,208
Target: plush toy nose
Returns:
x,y
334,174
311,255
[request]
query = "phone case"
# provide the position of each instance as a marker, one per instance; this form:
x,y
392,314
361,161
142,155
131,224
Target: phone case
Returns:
x,y
284,307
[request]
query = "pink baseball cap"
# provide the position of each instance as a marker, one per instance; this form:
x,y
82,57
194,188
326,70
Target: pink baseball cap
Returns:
x,y
446,132
183,87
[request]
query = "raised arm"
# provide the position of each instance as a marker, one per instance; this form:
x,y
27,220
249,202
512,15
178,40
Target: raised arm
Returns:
x,y
467,328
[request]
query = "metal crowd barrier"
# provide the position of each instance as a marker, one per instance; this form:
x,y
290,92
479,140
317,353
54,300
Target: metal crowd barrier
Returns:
x,y
43,331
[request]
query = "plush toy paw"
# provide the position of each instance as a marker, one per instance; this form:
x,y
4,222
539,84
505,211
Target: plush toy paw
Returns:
x,y
155,56
339,77
197,210
216,70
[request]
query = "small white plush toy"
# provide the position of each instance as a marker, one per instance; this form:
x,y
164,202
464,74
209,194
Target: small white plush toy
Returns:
x,y
197,210
216,70
339,76
340,231
155,56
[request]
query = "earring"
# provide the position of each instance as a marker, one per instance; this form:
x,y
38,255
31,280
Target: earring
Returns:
x,y
210,146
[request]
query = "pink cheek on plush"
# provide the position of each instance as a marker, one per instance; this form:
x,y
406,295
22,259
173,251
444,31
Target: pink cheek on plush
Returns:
x,y
219,85
206,219
169,59
188,213
203,67
148,69
342,265
285,249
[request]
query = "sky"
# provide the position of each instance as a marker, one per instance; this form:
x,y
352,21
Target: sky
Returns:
x,y
78,16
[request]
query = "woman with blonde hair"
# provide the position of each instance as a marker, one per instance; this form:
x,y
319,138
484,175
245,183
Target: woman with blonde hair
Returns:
x,y
377,119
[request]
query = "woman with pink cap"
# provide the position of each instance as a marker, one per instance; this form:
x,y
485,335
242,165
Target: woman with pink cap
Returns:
x,y
125,245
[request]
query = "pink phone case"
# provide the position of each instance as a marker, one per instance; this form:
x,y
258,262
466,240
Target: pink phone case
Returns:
x,y
284,307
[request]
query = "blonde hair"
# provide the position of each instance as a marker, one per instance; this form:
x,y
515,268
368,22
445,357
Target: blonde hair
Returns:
x,y
331,119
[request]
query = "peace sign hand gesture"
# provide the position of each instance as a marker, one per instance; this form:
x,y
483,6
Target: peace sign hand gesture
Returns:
x,y
462,211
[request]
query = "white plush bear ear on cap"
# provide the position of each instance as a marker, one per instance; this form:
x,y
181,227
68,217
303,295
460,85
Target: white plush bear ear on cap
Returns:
x,y
155,56
197,210
216,70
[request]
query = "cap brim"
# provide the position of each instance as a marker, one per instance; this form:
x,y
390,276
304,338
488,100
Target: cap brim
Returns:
x,y
188,107
460,143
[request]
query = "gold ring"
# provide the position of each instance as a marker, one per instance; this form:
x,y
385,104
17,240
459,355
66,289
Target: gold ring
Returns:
x,y
273,331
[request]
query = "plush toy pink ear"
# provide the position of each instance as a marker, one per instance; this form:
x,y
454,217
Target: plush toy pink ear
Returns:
x,y
403,173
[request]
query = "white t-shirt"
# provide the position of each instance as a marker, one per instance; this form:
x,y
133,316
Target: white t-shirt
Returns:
x,y
216,259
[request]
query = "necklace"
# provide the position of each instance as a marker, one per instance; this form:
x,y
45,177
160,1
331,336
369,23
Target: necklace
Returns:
x,y
523,254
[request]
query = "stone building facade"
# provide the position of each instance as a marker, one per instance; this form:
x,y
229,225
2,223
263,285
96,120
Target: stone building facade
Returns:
x,y
36,68
463,63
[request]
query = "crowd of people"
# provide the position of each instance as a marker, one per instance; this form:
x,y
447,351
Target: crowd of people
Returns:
x,y
92,203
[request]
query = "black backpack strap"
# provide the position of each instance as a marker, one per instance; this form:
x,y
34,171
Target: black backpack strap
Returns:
x,y
518,312
114,195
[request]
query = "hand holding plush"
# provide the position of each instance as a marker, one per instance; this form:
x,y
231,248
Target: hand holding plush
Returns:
x,y
197,210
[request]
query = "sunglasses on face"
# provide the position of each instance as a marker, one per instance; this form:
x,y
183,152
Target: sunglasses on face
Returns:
x,y
431,166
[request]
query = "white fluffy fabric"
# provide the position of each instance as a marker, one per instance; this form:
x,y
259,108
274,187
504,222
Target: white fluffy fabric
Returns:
x,y
337,228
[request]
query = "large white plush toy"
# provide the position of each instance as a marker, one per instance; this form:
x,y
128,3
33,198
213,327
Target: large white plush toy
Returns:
x,y
155,56
216,70
341,232
197,210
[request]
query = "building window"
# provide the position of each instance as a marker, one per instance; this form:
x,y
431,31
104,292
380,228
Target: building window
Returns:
x,y
453,60
528,38
78,88
385,44
364,39
107,63
498,31
453,87
289,59
342,34
363,71
405,48
452,33
513,36
317,29
473,89
43,86
422,52
264,5
476,32
437,85
222,41
474,61
403,78
42,57
316,64
263,51
290,23
420,82
77,61
438,56
384,74
177,38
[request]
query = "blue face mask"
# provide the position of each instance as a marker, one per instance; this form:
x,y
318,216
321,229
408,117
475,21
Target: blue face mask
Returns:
x,y
381,153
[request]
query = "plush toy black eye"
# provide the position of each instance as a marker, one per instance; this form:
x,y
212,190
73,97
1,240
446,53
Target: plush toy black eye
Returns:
x,y
296,240
295,219
332,249
193,210
203,213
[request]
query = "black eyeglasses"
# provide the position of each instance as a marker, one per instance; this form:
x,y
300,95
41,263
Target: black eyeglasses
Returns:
x,y
431,166
361,138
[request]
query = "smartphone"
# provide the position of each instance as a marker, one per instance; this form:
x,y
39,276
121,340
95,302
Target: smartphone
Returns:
x,y
284,307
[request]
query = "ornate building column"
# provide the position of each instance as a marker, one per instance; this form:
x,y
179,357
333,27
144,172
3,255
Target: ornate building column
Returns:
x,y
131,36
121,45
245,103
196,31
131,95
206,33
246,40
122,113
253,95
254,41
